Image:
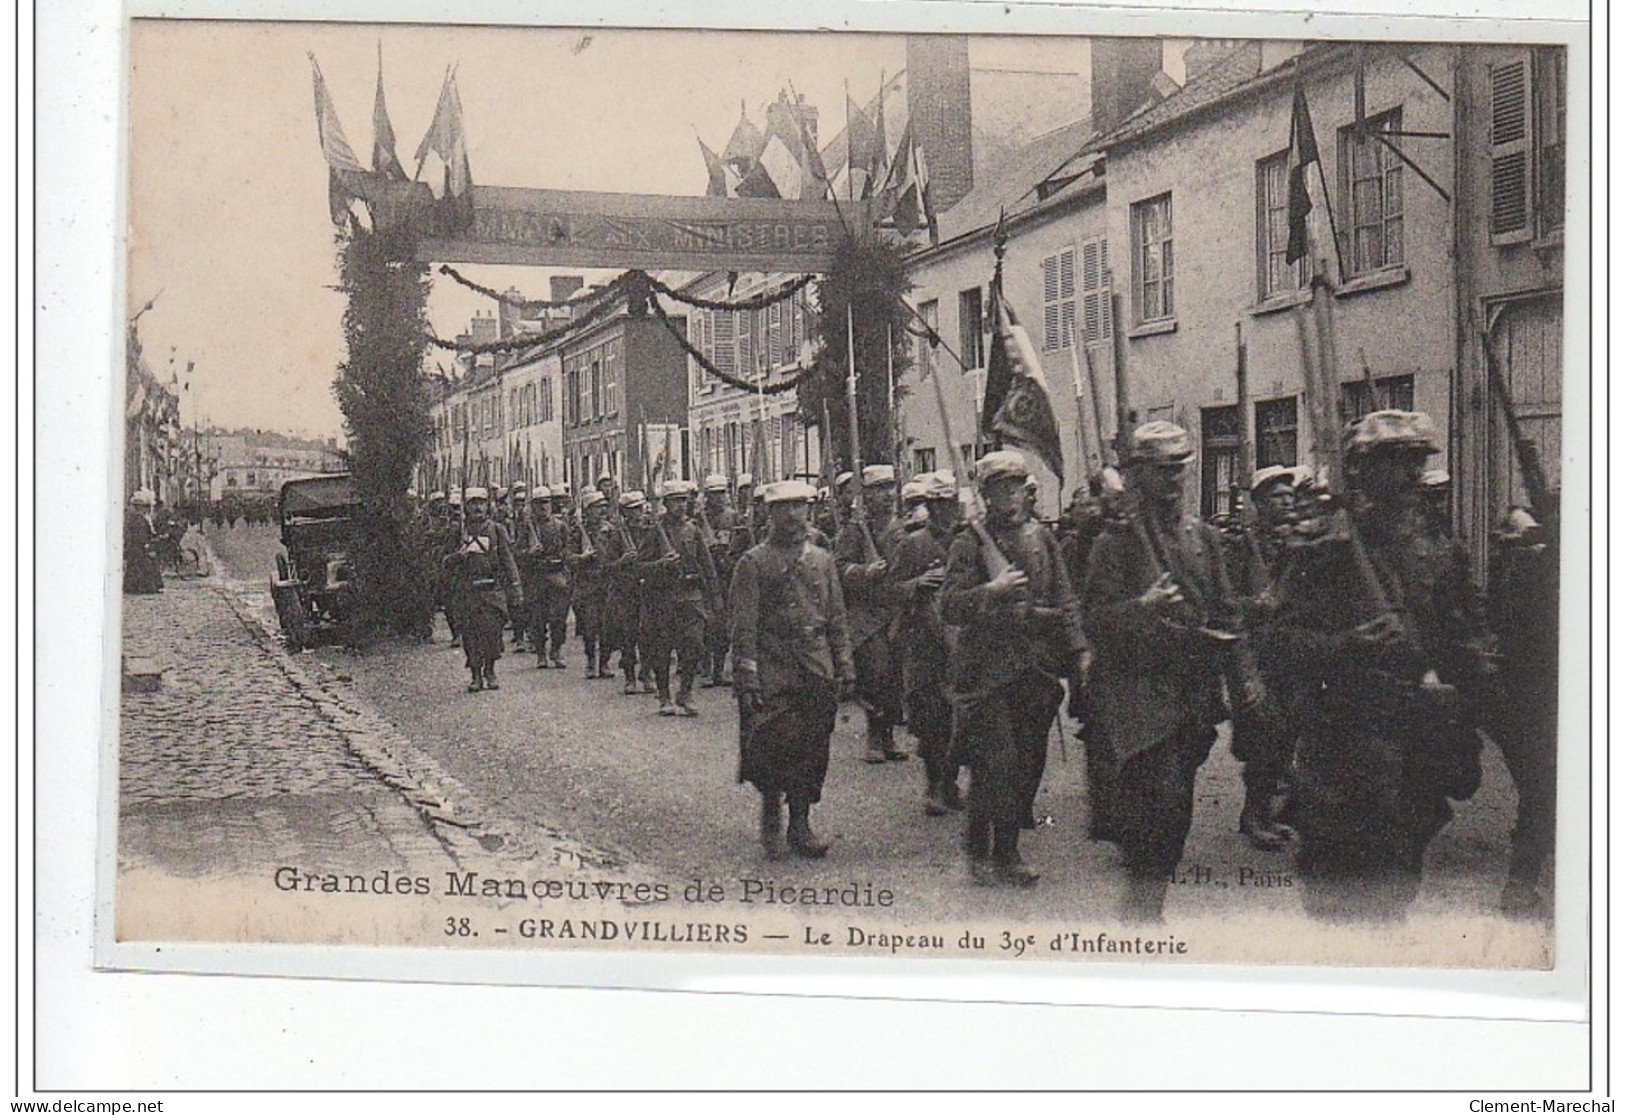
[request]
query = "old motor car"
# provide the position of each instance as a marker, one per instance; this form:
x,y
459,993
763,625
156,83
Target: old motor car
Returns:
x,y
312,587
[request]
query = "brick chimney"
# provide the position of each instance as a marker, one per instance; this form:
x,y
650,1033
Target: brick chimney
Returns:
x,y
508,314
483,328
939,106
1121,72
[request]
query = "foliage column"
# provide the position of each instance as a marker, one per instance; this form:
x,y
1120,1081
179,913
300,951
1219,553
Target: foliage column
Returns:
x,y
385,400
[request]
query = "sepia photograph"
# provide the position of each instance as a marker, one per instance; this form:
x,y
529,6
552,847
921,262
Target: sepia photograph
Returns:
x,y
1072,499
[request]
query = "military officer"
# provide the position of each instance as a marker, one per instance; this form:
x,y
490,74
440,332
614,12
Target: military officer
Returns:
x,y
587,583
679,585
861,552
484,586
1161,615
918,569
1019,632
792,658
1383,627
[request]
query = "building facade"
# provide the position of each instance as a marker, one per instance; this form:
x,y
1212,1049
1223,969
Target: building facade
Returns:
x,y
251,463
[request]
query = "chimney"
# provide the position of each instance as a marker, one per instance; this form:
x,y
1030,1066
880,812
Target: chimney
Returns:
x,y
1204,53
939,106
561,287
483,328
508,314
1121,72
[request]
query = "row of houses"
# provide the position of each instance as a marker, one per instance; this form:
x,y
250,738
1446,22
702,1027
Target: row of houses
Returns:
x,y
1438,224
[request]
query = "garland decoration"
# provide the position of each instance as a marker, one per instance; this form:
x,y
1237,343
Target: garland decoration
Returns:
x,y
506,299
610,300
781,293
710,368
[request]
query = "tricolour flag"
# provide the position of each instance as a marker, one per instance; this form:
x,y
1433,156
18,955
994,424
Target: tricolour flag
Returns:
x,y
345,174
1017,406
1302,150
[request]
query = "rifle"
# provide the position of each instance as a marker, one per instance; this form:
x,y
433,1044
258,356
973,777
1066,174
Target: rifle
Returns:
x,y
860,514
1534,475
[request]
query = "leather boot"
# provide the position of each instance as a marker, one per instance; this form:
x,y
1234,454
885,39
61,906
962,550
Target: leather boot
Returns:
x,y
491,678
772,825
1007,863
476,682
1143,900
875,752
800,838
888,746
685,697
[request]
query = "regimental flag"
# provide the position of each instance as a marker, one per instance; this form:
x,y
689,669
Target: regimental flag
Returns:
x,y
384,159
1017,405
345,174
1302,150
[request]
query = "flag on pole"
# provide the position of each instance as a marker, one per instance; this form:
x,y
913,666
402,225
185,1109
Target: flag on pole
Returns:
x,y
445,139
783,168
1302,151
1017,406
878,167
716,172
909,181
344,171
860,142
384,159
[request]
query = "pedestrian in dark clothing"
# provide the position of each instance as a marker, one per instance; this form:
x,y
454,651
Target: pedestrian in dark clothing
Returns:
x,y
792,659
141,572
484,586
1386,632
1019,632
1159,611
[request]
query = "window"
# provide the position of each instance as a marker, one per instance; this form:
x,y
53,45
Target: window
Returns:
x,y
1221,458
924,354
1372,179
1277,425
925,460
1275,274
970,327
1094,281
1153,225
724,346
597,387
572,397
612,381
584,387
547,400
1511,189
775,335
1360,398
1060,299
1551,126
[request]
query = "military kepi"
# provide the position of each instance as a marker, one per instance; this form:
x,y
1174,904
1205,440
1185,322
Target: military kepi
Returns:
x,y
789,491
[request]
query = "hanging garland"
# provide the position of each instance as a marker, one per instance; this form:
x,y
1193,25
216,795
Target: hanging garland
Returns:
x,y
755,302
710,368
612,297
506,299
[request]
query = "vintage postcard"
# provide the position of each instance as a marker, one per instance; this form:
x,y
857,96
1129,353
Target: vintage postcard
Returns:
x,y
1068,499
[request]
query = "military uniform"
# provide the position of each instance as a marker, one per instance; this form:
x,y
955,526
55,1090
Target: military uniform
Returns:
x,y
484,586
1381,747
544,546
792,653
678,583
1011,647
921,640
623,591
872,601
1154,695
727,538
588,587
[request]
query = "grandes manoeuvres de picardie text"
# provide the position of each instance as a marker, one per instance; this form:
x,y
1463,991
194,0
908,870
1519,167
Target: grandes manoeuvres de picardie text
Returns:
x,y
924,494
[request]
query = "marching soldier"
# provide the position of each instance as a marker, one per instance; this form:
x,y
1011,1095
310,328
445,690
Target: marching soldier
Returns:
x,y
913,496
517,526
1368,620
792,659
871,604
1019,632
587,583
720,530
679,583
542,555
1261,738
918,570
1162,619
484,586
623,591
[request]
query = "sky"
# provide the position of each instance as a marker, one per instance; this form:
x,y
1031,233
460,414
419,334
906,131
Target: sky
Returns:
x,y
228,217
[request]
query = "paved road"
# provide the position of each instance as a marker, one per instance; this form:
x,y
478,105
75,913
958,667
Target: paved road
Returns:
x,y
553,753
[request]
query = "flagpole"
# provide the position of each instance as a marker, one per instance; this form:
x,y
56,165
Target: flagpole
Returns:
x,y
846,90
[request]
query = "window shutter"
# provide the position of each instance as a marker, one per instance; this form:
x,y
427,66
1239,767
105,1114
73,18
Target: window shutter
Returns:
x,y
723,350
1068,297
1052,311
775,334
1509,148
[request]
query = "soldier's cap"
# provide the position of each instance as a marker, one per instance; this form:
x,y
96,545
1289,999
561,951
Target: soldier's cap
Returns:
x,y
789,491
542,492
1399,431
562,491
605,476
634,498
143,497
502,493
876,475
472,494
1271,475
436,497
745,480
716,482
914,490
1160,443
517,490
455,499
1002,464
677,488
1435,478
940,485
843,480
1517,525
593,499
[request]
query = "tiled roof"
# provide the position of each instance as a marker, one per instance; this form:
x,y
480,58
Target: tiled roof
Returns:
x,y
1203,88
